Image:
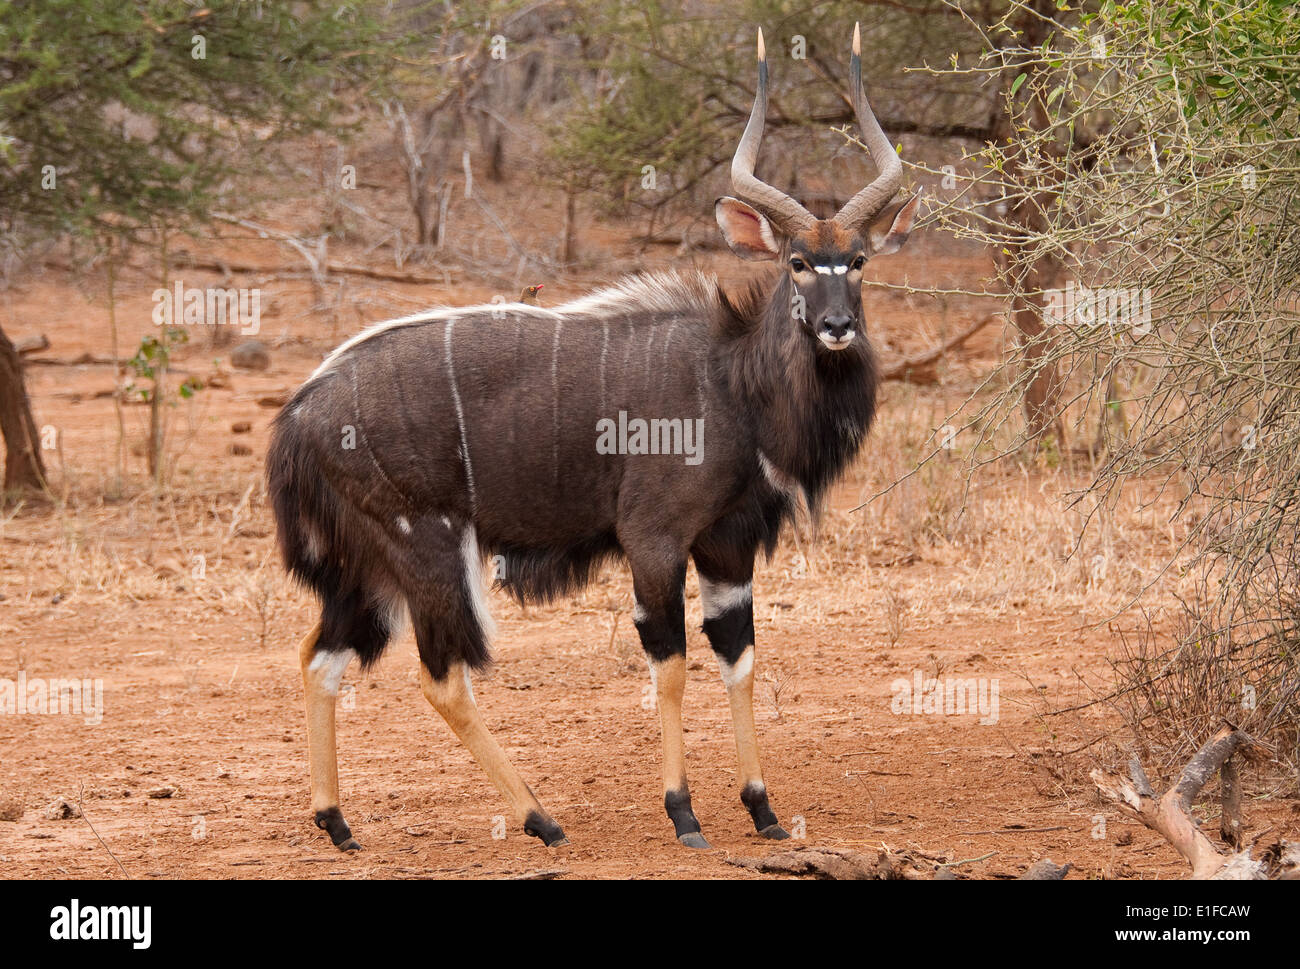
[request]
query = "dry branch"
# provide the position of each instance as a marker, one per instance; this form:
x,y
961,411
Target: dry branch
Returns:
x,y
920,369
334,268
1170,814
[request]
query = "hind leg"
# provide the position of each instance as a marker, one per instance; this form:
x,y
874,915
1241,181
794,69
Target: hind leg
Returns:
x,y
350,627
451,631
453,697
322,671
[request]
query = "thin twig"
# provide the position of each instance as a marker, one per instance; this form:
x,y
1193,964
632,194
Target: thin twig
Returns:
x,y
82,811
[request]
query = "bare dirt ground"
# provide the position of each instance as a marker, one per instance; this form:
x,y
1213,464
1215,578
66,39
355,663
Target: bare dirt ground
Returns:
x,y
198,768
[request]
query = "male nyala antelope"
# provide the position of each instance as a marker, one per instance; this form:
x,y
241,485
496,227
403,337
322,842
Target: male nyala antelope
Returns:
x,y
427,442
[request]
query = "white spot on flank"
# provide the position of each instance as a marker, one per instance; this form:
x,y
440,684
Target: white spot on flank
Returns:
x,y
722,597
403,525
327,668
446,521
734,675
638,613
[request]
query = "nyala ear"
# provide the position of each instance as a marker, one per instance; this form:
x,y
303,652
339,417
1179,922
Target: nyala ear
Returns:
x,y
749,235
893,225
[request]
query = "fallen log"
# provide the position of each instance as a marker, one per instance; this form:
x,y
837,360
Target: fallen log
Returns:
x,y
843,864
832,864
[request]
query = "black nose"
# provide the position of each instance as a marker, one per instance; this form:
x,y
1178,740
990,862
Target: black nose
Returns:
x,y
838,326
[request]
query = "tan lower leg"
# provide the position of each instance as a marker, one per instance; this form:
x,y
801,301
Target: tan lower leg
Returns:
x,y
739,681
670,687
321,675
453,697
320,727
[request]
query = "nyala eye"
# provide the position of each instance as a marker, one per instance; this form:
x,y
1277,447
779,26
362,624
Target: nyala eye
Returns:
x,y
859,263
798,265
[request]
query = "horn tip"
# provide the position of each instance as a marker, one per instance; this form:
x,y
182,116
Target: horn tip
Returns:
x,y
762,49
857,40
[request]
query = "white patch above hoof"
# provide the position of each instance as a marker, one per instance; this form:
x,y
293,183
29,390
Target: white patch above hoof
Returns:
x,y
733,674
327,669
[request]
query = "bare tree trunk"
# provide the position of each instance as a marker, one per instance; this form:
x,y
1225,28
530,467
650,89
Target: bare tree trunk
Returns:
x,y
158,394
492,144
23,465
425,231
1031,276
444,203
110,265
1043,391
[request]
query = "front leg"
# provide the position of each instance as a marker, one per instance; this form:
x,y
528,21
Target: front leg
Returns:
x,y
661,623
729,623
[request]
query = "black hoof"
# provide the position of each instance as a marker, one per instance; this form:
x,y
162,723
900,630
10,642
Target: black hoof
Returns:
x,y
540,826
685,824
754,797
331,822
